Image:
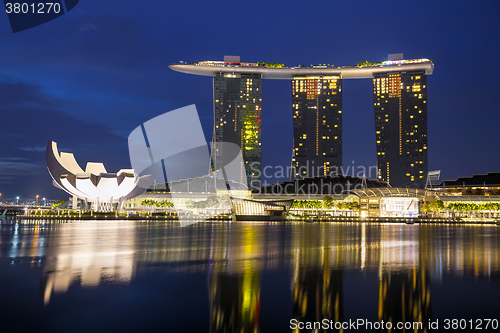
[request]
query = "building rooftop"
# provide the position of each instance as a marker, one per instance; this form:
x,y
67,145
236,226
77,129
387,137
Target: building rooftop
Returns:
x,y
474,198
490,179
392,192
279,72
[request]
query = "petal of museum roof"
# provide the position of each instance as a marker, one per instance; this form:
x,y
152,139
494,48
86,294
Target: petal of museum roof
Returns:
x,y
365,70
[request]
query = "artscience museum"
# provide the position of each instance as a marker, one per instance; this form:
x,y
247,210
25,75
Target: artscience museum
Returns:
x,y
94,188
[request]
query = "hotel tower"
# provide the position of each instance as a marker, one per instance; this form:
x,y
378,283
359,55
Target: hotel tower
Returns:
x,y
238,120
317,125
400,105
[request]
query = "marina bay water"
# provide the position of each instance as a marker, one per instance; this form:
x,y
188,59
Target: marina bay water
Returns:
x,y
140,276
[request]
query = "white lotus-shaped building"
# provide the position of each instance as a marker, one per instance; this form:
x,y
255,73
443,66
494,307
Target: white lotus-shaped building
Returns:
x,y
94,184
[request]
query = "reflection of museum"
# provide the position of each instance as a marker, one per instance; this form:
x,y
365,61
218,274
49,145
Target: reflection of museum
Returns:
x,y
90,263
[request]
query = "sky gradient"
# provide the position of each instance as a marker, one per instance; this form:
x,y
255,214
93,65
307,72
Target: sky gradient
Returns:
x,y
88,78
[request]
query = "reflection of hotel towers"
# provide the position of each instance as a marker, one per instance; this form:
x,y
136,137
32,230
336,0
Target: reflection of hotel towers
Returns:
x,y
317,293
317,125
405,296
234,283
90,263
238,120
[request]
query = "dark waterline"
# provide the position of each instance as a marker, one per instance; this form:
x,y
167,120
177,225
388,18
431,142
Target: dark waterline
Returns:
x,y
129,276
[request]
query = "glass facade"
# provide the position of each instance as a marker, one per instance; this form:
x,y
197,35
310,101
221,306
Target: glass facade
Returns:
x,y
400,105
402,207
317,125
238,120
274,209
398,207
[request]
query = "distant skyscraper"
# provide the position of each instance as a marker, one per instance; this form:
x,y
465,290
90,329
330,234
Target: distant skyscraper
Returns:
x,y
317,125
238,119
400,104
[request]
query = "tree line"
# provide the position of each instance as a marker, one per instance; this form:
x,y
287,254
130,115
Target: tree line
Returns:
x,y
438,206
271,64
212,202
326,203
157,203
464,207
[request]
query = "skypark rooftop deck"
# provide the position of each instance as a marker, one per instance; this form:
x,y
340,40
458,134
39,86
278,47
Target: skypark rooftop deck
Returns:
x,y
212,68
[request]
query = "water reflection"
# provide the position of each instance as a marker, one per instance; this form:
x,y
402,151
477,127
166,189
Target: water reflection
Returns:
x,y
405,295
407,260
234,281
317,280
87,254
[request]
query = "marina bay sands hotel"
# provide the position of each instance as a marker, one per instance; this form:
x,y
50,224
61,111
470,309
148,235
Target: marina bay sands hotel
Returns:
x,y
399,102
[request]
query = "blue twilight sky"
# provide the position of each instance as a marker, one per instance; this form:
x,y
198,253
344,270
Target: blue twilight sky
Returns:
x,y
88,78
